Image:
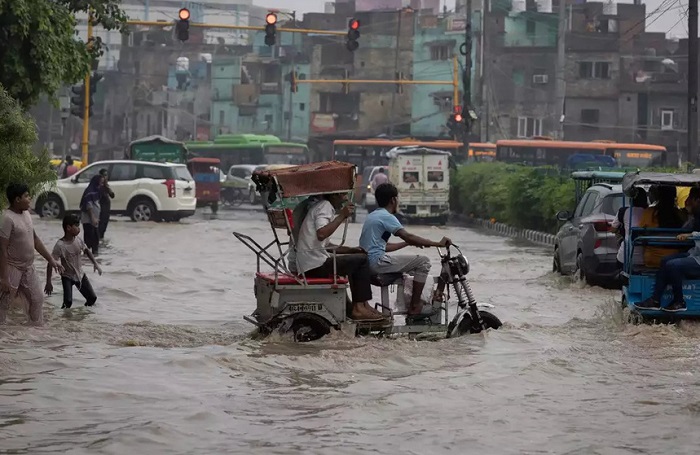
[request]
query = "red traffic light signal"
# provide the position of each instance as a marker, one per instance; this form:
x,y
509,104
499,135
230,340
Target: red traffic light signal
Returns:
x,y
353,34
458,118
184,14
271,18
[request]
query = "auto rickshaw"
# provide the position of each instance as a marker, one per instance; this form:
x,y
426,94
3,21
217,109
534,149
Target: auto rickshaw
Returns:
x,y
207,181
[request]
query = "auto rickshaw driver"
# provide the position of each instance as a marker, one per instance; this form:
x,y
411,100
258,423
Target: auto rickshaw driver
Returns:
x,y
314,222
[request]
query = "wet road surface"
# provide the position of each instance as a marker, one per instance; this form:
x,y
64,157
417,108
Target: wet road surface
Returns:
x,y
164,364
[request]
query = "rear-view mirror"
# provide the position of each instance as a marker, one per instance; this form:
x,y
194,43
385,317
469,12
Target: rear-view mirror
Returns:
x,y
563,215
74,180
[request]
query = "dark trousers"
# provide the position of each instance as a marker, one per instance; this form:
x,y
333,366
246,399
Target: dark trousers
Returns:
x,y
672,271
84,287
355,267
91,237
105,208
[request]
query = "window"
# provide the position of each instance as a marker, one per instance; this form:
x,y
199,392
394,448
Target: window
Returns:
x,y
240,173
436,176
590,204
518,77
222,117
529,127
302,107
442,52
531,27
410,177
153,172
667,119
86,175
594,70
122,172
582,204
444,102
590,116
181,173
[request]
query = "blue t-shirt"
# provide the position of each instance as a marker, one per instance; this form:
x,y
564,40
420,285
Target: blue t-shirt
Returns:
x,y
379,226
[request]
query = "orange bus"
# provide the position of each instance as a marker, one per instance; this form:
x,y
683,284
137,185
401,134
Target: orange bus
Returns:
x,y
481,151
557,153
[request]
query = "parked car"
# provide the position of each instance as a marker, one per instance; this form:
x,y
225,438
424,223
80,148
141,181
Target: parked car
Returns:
x,y
585,244
144,191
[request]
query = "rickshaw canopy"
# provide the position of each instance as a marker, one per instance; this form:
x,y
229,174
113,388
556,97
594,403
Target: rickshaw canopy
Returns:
x,y
306,180
632,180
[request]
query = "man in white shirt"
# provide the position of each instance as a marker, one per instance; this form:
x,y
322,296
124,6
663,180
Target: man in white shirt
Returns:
x,y
311,257
379,178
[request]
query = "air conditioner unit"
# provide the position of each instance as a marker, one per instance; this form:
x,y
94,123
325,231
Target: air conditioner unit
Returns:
x,y
540,79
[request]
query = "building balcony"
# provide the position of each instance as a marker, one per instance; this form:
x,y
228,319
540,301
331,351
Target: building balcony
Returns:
x,y
641,81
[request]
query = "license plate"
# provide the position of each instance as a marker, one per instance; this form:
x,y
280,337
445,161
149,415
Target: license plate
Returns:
x,y
305,307
206,193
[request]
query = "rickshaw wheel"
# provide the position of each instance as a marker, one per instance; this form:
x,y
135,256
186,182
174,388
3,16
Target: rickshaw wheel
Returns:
x,y
308,327
465,327
635,318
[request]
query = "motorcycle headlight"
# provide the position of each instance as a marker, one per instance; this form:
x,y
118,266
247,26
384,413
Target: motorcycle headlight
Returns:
x,y
464,263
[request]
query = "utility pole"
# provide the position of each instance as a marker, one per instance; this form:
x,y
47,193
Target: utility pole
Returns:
x,y
693,81
486,118
290,109
467,77
86,111
396,70
560,73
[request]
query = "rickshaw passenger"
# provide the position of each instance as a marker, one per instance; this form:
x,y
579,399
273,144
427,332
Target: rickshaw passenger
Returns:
x,y
622,225
315,221
379,226
675,267
665,214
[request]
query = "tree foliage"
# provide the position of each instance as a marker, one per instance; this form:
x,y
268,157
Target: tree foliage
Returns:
x,y
39,47
18,163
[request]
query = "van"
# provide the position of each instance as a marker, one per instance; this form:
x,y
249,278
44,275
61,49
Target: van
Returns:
x,y
422,176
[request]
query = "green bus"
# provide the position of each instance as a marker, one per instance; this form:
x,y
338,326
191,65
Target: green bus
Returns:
x,y
157,148
234,149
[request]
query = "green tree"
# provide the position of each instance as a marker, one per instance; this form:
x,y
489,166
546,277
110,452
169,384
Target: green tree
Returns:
x,y
40,52
18,163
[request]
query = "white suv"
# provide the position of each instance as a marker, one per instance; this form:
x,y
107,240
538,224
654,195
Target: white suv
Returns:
x,y
143,190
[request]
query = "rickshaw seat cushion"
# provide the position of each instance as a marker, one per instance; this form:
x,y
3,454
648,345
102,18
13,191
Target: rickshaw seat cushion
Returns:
x,y
386,279
284,279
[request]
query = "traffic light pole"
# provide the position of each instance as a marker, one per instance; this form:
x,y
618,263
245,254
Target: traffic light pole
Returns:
x,y
467,76
86,112
237,27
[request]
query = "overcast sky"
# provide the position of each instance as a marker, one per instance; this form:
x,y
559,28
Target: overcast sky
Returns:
x,y
672,21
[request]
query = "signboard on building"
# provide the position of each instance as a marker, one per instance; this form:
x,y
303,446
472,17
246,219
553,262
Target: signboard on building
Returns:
x,y
456,25
322,123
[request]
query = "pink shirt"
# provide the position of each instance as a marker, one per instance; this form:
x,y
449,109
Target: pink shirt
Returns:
x,y
19,230
70,170
378,179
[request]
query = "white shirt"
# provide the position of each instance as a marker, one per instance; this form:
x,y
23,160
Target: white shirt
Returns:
x,y
637,213
310,251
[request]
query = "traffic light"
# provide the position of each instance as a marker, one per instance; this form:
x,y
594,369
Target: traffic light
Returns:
x,y
353,35
456,123
293,81
459,118
77,101
271,29
182,27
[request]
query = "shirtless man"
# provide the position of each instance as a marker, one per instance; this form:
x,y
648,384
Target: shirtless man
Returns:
x,y
18,240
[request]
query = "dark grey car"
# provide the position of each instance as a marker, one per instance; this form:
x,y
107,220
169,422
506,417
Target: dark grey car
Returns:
x,y
585,244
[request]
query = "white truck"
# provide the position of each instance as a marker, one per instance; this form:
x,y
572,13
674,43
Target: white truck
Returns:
x,y
422,176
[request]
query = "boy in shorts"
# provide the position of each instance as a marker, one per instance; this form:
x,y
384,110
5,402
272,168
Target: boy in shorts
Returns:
x,y
18,240
69,250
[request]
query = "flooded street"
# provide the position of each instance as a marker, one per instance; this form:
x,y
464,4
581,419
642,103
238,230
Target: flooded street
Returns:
x,y
163,363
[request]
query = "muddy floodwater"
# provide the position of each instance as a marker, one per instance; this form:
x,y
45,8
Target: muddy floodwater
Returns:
x,y
164,364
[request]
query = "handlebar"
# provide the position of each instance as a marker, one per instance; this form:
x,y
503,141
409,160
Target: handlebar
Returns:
x,y
447,250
